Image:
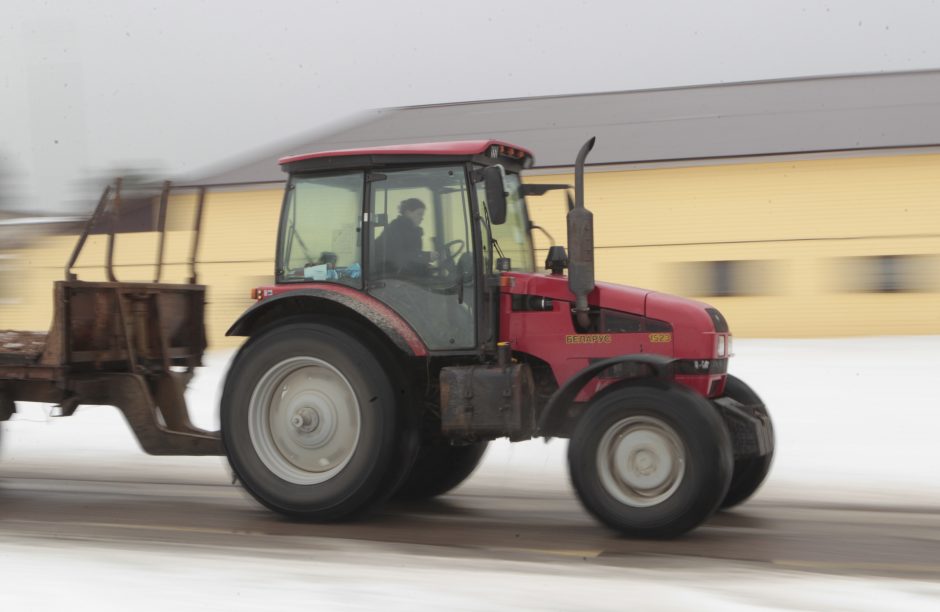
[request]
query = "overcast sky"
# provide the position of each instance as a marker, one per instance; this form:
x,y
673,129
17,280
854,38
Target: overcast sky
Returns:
x,y
178,85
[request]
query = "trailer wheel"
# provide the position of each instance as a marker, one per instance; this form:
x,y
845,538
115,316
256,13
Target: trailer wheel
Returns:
x,y
650,462
749,472
310,423
439,468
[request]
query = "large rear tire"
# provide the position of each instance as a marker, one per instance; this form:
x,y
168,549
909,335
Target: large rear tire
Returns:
x,y
650,462
311,425
439,468
749,472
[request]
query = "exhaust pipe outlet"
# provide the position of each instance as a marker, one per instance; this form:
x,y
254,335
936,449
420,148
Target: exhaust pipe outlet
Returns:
x,y
581,244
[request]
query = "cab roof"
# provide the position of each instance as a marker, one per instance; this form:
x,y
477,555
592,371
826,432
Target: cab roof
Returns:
x,y
459,150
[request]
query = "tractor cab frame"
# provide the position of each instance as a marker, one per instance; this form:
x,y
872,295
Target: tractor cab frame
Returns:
x,y
342,225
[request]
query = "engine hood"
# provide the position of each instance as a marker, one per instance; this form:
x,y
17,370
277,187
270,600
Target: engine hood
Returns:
x,y
605,295
689,318
693,327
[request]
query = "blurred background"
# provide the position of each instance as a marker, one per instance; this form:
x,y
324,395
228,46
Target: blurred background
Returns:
x,y
779,162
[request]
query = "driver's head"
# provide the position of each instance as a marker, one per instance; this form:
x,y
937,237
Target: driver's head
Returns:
x,y
413,208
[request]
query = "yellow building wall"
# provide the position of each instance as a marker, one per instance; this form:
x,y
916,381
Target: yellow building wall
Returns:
x,y
800,219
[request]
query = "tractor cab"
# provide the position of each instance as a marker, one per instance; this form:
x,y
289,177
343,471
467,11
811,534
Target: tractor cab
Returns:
x,y
417,227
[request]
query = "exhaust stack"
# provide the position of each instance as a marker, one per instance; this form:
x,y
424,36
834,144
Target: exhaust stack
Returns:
x,y
581,244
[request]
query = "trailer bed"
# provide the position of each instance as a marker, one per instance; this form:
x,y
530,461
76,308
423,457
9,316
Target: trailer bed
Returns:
x,y
21,347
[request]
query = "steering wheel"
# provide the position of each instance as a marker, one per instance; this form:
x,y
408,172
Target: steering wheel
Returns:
x,y
447,258
448,249
447,265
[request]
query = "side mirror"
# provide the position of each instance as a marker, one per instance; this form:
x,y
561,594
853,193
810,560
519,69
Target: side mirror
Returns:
x,y
493,177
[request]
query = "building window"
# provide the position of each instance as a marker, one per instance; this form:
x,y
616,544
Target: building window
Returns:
x,y
887,274
725,278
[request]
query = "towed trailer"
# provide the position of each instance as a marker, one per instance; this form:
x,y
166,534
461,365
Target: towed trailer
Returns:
x,y
132,345
377,366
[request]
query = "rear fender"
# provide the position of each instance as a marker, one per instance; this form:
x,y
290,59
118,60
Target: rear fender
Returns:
x,y
348,303
659,368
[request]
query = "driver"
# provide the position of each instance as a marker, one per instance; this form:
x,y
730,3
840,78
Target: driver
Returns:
x,y
399,246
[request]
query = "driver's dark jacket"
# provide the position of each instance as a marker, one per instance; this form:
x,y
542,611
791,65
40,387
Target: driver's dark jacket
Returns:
x,y
398,249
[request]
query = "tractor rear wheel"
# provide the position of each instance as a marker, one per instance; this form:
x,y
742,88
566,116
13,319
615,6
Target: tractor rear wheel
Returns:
x,y
749,472
311,425
650,462
439,468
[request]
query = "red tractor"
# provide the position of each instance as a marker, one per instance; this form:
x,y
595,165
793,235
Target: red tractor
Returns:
x,y
408,327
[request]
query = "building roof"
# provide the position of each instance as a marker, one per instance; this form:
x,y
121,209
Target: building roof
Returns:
x,y
786,116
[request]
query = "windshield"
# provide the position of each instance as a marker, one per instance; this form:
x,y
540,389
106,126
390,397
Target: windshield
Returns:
x,y
512,238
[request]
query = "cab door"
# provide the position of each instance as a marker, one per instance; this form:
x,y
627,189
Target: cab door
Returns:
x,y
422,265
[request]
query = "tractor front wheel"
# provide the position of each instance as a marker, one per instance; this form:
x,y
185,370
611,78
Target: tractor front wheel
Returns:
x,y
310,423
650,462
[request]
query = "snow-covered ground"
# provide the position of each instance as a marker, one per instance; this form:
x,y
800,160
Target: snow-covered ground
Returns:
x,y
352,576
856,420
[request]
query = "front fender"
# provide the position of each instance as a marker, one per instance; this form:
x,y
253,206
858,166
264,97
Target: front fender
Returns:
x,y
332,300
662,369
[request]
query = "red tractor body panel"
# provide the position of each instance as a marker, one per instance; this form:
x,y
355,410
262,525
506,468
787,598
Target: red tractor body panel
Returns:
x,y
550,335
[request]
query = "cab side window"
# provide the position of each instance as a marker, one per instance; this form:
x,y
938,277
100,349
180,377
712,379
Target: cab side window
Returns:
x,y
322,233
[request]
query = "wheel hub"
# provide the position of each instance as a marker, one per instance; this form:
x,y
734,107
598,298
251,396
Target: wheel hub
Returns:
x,y
641,461
304,418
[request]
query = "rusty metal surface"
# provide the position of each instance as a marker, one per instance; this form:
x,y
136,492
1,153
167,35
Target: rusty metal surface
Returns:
x,y
161,229
131,394
128,326
483,402
92,222
115,343
20,347
115,219
197,231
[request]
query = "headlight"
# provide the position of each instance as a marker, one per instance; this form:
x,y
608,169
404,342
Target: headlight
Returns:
x,y
729,347
720,346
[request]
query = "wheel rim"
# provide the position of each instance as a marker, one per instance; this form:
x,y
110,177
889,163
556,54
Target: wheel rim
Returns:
x,y
304,420
641,461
